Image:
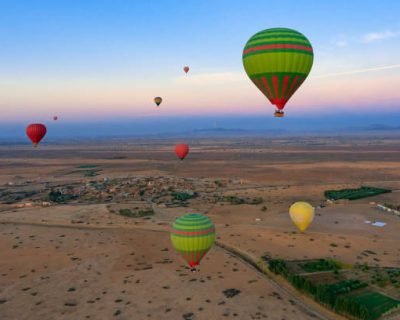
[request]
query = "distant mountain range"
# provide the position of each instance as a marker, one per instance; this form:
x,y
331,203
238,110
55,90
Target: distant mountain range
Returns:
x,y
234,132
235,127
381,127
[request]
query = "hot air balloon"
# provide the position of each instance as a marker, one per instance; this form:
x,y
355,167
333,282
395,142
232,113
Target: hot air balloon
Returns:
x,y
55,118
181,150
158,100
186,69
278,61
192,235
302,214
36,132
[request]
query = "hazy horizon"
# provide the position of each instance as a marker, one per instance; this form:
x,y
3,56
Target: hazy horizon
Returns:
x,y
210,126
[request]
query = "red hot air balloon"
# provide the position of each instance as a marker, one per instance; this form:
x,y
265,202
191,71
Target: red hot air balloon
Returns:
x,y
181,150
186,69
36,132
55,118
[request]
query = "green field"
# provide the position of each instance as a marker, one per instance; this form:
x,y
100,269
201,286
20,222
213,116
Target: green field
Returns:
x,y
345,286
320,265
354,194
375,303
348,291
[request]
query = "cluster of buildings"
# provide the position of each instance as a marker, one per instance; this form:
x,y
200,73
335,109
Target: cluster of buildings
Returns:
x,y
157,189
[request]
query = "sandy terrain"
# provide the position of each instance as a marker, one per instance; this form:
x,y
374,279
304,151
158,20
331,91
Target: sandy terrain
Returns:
x,y
81,261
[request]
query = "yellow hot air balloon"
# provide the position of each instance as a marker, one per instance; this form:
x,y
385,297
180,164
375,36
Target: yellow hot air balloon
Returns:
x,y
302,214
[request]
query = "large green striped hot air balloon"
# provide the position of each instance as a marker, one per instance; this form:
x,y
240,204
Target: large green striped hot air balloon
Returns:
x,y
278,60
192,235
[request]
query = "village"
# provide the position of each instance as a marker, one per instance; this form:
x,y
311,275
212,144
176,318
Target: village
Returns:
x,y
167,191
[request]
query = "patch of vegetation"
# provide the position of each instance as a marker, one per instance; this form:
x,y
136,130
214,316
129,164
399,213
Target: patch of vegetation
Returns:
x,y
235,200
354,194
90,173
9,197
256,200
278,266
344,286
384,277
137,213
320,265
220,183
59,197
351,297
230,293
370,305
183,196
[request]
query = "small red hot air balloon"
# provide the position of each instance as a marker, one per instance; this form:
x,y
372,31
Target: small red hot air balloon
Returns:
x,y
55,118
36,132
181,150
186,69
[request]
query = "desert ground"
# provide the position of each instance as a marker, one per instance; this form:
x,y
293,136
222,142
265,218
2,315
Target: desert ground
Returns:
x,y
83,260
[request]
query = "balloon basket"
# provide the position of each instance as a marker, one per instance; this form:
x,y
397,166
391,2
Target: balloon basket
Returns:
x,y
279,114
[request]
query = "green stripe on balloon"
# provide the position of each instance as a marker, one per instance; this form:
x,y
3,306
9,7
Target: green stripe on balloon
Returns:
x,y
278,35
281,61
278,30
195,228
278,38
192,225
278,51
193,236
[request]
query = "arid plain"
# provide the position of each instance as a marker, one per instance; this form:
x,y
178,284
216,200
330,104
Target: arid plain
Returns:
x,y
82,260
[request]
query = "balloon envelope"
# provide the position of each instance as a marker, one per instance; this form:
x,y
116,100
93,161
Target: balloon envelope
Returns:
x,y
36,132
186,69
192,235
55,118
278,60
158,100
302,214
181,150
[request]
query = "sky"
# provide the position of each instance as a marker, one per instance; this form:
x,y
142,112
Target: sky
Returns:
x,y
98,60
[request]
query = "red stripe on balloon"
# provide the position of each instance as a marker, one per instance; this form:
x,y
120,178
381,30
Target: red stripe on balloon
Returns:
x,y
266,84
193,233
293,86
284,87
257,83
275,83
278,46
